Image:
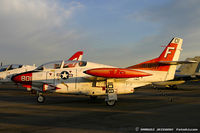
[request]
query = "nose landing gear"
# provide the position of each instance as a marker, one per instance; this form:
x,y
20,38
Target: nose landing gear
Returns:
x,y
40,98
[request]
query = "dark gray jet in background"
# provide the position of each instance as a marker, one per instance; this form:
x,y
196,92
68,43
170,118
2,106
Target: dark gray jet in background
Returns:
x,y
186,72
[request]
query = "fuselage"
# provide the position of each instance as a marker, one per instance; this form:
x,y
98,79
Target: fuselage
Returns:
x,y
7,71
69,77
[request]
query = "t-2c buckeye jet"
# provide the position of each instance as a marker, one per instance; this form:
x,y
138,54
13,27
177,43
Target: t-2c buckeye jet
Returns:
x,y
92,79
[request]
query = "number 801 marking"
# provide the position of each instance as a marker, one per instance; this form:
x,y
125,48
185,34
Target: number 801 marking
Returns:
x,y
26,78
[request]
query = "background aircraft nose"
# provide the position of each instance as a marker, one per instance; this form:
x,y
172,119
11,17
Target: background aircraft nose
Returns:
x,y
6,79
24,78
16,78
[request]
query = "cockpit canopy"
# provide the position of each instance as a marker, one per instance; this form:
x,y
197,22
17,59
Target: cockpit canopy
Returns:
x,y
10,67
62,64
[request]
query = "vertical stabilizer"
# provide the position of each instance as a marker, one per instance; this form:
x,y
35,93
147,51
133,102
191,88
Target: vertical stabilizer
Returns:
x,y
77,56
171,53
189,69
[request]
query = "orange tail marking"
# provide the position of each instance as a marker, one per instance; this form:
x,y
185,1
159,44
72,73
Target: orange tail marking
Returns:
x,y
166,55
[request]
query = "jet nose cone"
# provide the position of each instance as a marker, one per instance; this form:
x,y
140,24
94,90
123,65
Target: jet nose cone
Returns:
x,y
16,78
22,78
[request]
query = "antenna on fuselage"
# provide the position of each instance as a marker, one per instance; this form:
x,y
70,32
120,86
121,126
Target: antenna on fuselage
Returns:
x,y
62,64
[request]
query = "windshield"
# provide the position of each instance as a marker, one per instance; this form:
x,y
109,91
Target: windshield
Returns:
x,y
57,64
70,64
10,67
4,68
14,66
50,65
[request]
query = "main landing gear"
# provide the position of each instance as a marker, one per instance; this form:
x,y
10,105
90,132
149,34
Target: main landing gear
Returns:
x,y
111,98
40,98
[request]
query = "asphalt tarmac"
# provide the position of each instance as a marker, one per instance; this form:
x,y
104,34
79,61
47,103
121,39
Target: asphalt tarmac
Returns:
x,y
147,109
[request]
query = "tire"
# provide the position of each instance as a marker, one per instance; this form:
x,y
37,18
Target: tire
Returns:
x,y
40,99
111,102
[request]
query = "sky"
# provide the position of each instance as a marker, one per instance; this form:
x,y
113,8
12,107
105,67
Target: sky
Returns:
x,y
119,33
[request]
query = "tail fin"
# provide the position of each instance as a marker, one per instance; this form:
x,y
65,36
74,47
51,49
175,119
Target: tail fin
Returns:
x,y
198,68
77,56
189,69
170,53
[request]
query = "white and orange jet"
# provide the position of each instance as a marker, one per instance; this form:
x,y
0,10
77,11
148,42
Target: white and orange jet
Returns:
x,y
92,79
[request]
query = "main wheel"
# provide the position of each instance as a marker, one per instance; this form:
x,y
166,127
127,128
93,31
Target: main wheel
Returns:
x,y
40,99
111,102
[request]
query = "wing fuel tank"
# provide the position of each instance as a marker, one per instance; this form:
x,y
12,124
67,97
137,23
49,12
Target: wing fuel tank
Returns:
x,y
115,73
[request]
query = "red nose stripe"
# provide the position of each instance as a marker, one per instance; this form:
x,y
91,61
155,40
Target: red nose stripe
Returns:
x,y
24,78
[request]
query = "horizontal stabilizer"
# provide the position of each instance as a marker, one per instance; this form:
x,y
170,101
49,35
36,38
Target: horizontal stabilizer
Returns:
x,y
176,62
165,83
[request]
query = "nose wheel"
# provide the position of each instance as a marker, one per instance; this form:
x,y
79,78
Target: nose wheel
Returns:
x,y
40,98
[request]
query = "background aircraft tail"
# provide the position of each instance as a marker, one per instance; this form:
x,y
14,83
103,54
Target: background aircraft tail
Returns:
x,y
77,56
166,61
190,69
